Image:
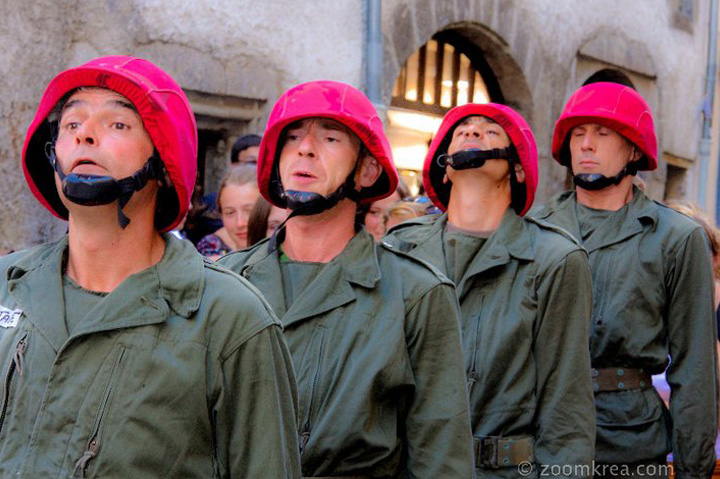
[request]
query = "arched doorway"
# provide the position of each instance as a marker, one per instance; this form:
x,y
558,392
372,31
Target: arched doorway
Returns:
x,y
447,71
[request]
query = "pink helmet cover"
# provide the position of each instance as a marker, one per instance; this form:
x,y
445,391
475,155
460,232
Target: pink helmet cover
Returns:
x,y
336,101
514,125
615,106
166,116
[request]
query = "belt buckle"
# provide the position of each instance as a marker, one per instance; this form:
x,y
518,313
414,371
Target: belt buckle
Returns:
x,y
492,460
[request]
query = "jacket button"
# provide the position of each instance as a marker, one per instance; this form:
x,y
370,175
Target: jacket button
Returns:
x,y
595,373
621,385
620,372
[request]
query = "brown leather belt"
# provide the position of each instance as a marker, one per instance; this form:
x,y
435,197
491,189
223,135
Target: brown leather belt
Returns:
x,y
619,379
494,452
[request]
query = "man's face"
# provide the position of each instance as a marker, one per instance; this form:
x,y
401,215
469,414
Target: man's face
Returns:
x,y
101,133
598,149
249,155
317,155
482,133
478,132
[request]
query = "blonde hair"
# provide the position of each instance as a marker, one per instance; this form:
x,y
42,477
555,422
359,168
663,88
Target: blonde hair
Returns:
x,y
404,210
711,231
238,174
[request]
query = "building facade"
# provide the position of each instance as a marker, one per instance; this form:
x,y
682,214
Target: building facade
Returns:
x,y
235,57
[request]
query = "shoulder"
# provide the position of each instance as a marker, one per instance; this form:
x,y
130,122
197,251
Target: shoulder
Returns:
x,y
413,225
29,258
414,275
553,245
235,260
547,232
551,206
234,309
672,220
408,234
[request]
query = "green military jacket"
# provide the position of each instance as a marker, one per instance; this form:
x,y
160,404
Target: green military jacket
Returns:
x,y
376,346
181,371
652,304
525,302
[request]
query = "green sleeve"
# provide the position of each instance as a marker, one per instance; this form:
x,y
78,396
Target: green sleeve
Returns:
x,y
566,410
438,421
692,374
255,413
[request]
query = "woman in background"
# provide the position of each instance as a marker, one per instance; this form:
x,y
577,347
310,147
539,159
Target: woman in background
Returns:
x,y
236,199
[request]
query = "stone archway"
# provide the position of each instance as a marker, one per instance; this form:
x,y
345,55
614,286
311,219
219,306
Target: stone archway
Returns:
x,y
499,29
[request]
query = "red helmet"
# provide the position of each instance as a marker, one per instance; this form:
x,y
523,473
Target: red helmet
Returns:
x,y
520,136
612,105
165,113
336,101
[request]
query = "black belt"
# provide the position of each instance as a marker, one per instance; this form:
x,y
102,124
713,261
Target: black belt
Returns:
x,y
494,452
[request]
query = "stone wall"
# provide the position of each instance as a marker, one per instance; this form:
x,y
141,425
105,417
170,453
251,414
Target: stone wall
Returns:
x,y
234,58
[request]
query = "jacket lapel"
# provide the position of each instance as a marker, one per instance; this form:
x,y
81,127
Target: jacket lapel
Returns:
x,y
510,239
37,289
175,283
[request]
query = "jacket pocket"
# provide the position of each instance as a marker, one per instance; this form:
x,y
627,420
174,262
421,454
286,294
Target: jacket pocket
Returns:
x,y
315,354
16,367
93,445
632,426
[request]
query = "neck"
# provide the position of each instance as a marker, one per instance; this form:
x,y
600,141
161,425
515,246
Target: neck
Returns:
x,y
320,238
101,254
478,204
611,198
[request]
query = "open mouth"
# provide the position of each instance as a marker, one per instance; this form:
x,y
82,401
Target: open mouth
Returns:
x,y
82,162
303,174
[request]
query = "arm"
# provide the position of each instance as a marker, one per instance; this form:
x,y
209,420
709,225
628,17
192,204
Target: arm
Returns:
x,y
437,427
254,415
566,409
692,374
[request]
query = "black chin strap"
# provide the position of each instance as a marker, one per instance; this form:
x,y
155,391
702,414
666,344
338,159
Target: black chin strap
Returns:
x,y
94,190
597,181
306,203
475,158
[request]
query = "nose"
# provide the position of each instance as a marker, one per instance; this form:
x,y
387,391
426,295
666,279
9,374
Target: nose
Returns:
x,y
588,142
473,130
307,146
85,133
242,219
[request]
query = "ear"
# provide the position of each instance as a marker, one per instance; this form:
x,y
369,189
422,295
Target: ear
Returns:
x,y
519,173
636,154
368,173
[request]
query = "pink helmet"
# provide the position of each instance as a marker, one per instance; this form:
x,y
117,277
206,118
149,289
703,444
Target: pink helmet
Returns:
x,y
336,101
166,115
520,136
612,105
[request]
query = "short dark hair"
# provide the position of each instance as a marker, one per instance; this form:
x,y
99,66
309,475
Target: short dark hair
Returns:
x,y
242,144
610,75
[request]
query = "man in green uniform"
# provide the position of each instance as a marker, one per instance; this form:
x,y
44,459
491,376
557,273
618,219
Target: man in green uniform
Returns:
x,y
374,335
524,289
652,291
125,354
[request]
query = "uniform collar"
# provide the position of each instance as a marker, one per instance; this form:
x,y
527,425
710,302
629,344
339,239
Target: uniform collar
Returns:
x,y
638,215
176,283
426,241
508,240
357,264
